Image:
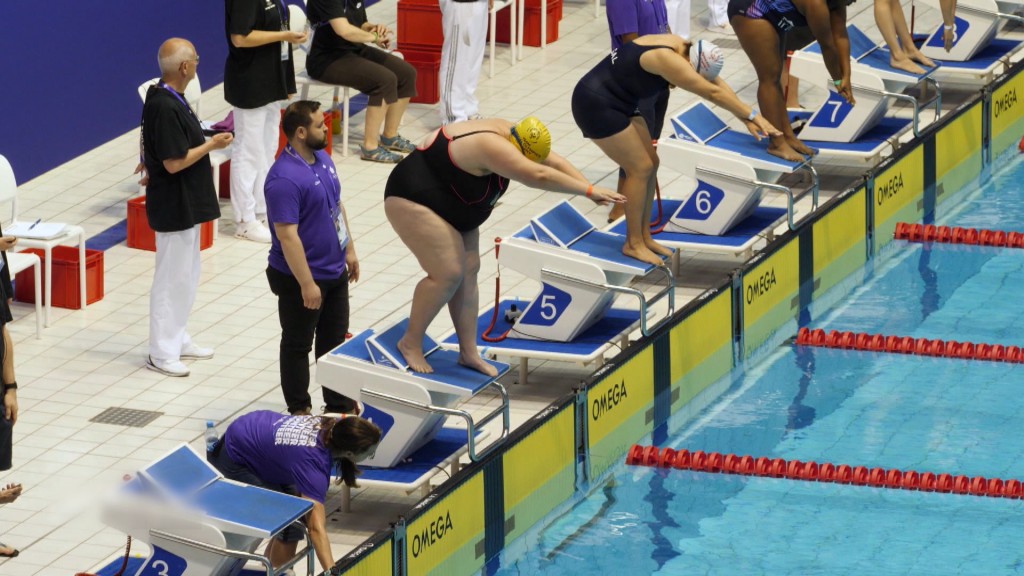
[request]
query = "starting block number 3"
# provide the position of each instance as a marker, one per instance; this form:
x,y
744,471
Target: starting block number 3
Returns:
x,y
163,563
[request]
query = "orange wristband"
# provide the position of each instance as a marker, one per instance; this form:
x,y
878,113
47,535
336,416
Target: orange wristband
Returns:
x,y
590,190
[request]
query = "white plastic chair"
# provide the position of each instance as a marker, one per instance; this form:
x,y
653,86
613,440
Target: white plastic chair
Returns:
x,y
512,38
19,261
72,235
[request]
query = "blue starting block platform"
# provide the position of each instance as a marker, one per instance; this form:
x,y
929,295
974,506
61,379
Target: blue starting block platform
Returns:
x,y
196,522
410,407
740,239
610,330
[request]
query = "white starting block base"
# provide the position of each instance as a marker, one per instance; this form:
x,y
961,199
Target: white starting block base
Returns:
x,y
982,69
611,330
739,240
439,455
869,150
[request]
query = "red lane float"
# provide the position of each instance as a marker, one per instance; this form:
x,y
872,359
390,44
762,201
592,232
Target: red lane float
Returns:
x,y
715,462
907,345
957,235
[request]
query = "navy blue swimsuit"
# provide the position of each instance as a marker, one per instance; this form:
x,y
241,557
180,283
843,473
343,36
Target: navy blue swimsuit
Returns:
x,y
782,14
610,94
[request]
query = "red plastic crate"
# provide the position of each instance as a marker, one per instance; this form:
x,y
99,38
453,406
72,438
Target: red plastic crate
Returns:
x,y
531,25
141,236
428,66
419,26
65,278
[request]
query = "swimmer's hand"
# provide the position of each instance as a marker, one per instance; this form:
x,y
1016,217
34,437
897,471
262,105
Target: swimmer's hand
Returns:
x,y
604,196
845,89
948,37
759,128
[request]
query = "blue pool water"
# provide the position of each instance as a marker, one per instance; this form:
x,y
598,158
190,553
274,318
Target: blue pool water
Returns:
x,y
875,410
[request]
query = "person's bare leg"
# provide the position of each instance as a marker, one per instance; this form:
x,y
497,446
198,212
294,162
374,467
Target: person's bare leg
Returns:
x,y
371,126
640,126
393,117
627,150
884,10
617,209
792,86
899,19
440,251
464,305
7,369
761,43
279,552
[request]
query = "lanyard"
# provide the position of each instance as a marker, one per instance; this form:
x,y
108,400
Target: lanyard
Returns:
x,y
180,99
334,204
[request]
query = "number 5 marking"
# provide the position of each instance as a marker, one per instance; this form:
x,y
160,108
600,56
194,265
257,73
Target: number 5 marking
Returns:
x,y
546,304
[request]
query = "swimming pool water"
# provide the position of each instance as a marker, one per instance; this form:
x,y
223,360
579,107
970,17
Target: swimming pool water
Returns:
x,y
857,408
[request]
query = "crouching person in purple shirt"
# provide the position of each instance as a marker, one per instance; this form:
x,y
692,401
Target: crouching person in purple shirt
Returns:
x,y
312,256
295,455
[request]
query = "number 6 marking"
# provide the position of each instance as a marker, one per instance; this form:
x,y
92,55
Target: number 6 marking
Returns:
x,y
703,202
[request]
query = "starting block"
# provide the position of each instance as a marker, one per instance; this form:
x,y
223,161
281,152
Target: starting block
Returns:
x,y
731,168
974,27
196,522
409,407
580,270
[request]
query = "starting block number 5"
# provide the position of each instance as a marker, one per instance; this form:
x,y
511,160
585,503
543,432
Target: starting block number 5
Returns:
x,y
547,308
163,563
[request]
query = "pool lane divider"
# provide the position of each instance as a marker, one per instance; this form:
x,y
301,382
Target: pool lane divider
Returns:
x,y
957,235
717,463
908,345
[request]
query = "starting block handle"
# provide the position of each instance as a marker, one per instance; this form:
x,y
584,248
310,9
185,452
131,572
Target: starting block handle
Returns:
x,y
669,291
472,426
937,101
306,552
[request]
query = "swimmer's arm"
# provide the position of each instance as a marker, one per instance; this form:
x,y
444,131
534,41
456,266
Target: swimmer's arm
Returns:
x,y
496,155
819,21
564,166
842,40
948,8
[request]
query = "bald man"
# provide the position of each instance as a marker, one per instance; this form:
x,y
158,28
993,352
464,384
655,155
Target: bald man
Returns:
x,y
179,198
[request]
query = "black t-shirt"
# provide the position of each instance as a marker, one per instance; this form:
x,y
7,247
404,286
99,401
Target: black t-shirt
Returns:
x,y
175,202
328,46
254,77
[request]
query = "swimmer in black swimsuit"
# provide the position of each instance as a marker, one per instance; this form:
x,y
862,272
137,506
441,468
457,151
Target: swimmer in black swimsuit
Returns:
x,y
759,24
437,198
604,105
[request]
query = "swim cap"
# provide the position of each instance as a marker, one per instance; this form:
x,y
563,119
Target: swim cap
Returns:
x,y
707,59
532,138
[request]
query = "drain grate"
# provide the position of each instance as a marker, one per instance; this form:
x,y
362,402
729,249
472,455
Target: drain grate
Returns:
x,y
126,417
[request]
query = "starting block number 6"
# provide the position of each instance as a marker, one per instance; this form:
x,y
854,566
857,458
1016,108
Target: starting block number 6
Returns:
x,y
702,202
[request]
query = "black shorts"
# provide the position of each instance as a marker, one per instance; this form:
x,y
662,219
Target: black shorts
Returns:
x,y
599,116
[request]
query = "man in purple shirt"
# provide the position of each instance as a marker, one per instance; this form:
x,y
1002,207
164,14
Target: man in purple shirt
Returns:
x,y
628,19
312,257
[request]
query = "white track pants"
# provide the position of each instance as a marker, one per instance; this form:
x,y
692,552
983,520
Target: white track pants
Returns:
x,y
462,55
252,154
175,280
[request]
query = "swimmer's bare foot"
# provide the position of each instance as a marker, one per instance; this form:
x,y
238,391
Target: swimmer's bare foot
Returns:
x,y
641,253
800,147
920,58
413,354
616,212
785,151
657,248
477,363
906,64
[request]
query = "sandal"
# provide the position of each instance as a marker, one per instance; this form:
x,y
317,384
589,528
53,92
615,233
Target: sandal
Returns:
x,y
397,144
379,154
12,554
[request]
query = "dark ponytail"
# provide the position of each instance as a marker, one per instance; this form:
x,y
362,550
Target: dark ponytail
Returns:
x,y
352,434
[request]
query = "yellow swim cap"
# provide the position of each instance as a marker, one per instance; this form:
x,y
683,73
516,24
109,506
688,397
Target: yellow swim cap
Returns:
x,y
532,138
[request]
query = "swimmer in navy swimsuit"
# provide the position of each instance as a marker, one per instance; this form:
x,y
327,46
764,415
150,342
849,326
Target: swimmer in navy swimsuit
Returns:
x,y
605,106
437,198
760,25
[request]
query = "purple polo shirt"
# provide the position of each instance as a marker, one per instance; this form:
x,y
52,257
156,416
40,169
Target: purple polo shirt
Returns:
x,y
282,450
310,196
640,17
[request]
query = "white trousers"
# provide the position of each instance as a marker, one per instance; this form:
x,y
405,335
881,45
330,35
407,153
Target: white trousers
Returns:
x,y
252,154
462,55
718,12
175,280
678,20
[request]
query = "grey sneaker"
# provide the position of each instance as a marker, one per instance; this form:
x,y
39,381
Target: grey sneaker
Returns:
x,y
397,144
379,154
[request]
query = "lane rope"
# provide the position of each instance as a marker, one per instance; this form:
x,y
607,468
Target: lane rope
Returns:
x,y
718,463
957,235
908,345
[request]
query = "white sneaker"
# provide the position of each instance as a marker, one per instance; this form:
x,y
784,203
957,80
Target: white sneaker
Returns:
x,y
195,352
254,231
174,368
